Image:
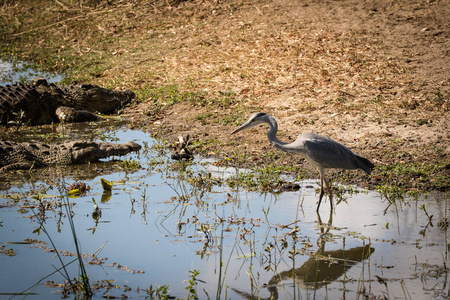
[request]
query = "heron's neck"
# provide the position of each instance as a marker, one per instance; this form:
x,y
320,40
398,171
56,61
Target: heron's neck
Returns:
x,y
272,135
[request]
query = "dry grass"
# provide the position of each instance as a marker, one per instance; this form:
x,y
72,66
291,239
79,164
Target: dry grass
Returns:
x,y
260,50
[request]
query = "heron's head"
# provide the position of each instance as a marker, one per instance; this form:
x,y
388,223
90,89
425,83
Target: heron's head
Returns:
x,y
255,120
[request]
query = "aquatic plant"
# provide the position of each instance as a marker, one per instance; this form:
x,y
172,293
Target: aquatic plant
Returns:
x,y
192,283
79,284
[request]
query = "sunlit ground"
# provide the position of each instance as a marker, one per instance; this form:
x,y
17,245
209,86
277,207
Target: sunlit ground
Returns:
x,y
178,229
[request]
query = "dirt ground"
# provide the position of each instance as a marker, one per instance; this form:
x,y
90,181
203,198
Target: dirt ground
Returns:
x,y
373,75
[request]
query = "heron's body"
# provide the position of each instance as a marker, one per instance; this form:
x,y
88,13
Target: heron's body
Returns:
x,y
319,150
322,151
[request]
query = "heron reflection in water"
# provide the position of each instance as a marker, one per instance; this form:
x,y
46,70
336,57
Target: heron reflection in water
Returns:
x,y
322,268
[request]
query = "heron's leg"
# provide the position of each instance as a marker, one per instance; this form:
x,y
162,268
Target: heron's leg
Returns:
x,y
321,188
329,192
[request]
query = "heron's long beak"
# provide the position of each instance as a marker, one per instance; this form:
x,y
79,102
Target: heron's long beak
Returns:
x,y
242,127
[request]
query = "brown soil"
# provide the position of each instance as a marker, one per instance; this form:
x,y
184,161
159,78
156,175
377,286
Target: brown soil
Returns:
x,y
373,75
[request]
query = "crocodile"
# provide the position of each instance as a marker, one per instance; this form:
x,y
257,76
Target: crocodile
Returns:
x,y
24,156
37,103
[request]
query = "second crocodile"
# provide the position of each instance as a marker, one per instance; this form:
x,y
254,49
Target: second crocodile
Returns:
x,y
37,103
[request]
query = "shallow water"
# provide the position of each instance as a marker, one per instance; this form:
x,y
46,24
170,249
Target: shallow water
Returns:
x,y
12,72
167,219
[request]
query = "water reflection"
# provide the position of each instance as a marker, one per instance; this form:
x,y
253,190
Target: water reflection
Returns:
x,y
78,172
12,72
107,131
321,269
318,271
167,216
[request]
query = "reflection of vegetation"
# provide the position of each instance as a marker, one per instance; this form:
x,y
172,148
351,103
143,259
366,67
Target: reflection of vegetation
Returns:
x,y
343,192
80,284
322,268
96,215
430,219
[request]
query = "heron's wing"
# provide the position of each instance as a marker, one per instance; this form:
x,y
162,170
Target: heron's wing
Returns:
x,y
328,153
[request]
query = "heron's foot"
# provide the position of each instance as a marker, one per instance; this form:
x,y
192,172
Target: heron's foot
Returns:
x,y
320,200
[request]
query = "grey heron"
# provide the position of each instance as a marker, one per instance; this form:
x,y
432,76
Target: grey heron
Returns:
x,y
321,151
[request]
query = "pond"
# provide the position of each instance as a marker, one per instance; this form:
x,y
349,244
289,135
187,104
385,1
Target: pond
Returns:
x,y
188,230
12,71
